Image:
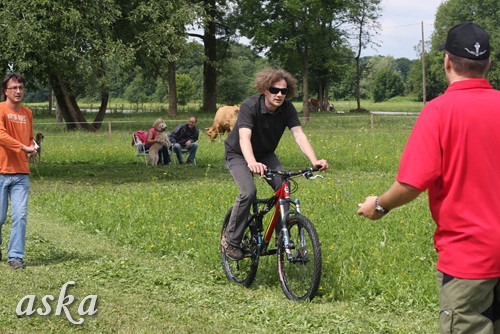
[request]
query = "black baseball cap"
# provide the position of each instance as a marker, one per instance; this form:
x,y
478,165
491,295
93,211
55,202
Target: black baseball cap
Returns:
x,y
467,40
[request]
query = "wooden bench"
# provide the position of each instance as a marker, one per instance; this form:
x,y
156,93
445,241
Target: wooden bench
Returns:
x,y
390,113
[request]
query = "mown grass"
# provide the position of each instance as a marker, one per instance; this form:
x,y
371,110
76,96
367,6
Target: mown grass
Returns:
x,y
145,239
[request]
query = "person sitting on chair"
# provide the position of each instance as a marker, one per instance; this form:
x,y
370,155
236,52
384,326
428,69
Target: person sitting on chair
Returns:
x,y
163,155
185,136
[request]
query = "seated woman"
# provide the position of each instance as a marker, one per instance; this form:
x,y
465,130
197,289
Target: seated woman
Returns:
x,y
154,137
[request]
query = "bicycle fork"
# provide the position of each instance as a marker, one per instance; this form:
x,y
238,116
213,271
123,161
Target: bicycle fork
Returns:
x,y
285,213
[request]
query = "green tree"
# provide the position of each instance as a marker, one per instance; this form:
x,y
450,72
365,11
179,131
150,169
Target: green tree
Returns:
x,y
345,87
387,83
236,78
289,32
137,91
363,15
191,64
414,80
161,91
73,44
403,67
450,13
185,89
215,37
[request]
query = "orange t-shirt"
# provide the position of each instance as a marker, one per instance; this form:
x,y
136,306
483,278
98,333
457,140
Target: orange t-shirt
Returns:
x,y
16,130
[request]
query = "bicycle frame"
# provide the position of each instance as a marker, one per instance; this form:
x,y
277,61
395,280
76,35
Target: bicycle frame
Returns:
x,y
281,201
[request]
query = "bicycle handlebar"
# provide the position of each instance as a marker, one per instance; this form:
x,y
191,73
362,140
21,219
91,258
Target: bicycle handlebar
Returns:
x,y
307,172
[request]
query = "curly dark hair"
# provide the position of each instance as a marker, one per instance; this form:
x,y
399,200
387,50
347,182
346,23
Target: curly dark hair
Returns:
x,y
267,77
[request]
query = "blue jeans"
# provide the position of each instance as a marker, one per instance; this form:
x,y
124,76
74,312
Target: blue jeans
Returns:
x,y
16,187
191,149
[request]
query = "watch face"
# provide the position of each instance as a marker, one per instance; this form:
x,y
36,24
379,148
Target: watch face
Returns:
x,y
380,210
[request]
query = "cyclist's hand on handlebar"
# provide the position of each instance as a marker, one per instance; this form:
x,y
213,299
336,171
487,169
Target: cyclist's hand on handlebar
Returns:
x,y
321,164
257,168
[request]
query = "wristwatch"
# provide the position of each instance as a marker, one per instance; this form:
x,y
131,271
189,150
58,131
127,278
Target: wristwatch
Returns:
x,y
379,209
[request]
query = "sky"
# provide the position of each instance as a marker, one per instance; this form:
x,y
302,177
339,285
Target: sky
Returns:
x,y
401,27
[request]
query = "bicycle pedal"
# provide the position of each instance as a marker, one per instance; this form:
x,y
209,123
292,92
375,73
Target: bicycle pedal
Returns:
x,y
247,253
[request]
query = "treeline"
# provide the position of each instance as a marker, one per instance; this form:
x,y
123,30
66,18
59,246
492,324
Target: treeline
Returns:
x,y
143,51
383,78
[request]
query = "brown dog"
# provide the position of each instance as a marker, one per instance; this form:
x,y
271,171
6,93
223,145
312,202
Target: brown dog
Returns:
x,y
163,140
38,146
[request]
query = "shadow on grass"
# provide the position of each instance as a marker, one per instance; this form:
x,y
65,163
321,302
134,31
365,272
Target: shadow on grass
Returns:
x,y
43,252
126,173
58,256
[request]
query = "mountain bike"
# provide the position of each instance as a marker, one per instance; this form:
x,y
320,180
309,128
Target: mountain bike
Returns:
x,y
296,241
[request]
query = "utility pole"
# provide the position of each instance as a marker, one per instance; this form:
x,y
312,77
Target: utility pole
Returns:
x,y
423,66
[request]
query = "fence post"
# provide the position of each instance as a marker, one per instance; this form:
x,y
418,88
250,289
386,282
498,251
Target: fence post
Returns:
x,y
109,132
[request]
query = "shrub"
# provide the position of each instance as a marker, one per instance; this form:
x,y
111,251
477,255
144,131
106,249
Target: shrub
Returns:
x,y
386,84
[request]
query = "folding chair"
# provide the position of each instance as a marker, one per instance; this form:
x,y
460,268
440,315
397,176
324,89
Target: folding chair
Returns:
x,y
141,152
173,156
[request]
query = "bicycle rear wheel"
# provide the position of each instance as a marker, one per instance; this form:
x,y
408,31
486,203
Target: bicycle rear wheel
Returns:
x,y
242,271
300,269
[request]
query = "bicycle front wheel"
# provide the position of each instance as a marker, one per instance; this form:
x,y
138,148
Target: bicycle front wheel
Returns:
x,y
299,264
242,271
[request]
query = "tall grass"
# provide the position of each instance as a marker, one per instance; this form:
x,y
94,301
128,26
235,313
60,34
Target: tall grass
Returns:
x,y
378,277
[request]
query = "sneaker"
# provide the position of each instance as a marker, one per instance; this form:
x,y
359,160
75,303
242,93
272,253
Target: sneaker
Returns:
x,y
189,162
17,264
232,252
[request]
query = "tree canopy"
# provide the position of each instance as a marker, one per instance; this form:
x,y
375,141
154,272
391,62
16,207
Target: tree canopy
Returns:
x,y
71,44
134,49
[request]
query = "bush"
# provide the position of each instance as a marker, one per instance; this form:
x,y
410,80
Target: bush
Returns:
x,y
386,84
185,89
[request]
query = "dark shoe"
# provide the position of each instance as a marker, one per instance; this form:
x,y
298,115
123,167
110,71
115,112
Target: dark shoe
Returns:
x,y
232,252
189,162
17,264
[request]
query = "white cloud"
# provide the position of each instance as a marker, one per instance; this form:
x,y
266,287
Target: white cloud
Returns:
x,y
401,27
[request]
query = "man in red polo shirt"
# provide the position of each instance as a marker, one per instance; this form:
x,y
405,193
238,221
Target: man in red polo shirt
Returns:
x,y
453,153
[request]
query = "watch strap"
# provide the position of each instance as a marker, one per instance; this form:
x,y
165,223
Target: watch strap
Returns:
x,y
379,208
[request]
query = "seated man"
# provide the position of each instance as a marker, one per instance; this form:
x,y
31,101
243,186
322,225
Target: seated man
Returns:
x,y
184,136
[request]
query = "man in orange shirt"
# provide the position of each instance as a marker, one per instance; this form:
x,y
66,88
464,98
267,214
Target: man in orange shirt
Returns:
x,y
16,143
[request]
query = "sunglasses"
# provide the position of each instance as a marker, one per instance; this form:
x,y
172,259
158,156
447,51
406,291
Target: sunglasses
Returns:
x,y
276,90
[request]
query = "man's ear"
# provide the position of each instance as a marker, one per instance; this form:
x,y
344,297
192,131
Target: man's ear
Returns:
x,y
447,62
489,65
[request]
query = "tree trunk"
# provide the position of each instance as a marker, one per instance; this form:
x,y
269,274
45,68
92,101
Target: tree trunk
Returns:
x,y
58,113
51,101
102,109
172,90
358,83
305,83
209,65
325,102
67,103
320,95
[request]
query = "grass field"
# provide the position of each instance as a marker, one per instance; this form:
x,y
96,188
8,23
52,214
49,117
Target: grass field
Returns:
x,y
145,239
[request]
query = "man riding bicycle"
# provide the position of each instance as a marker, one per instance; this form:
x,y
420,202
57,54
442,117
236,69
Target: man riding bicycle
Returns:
x,y
250,147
